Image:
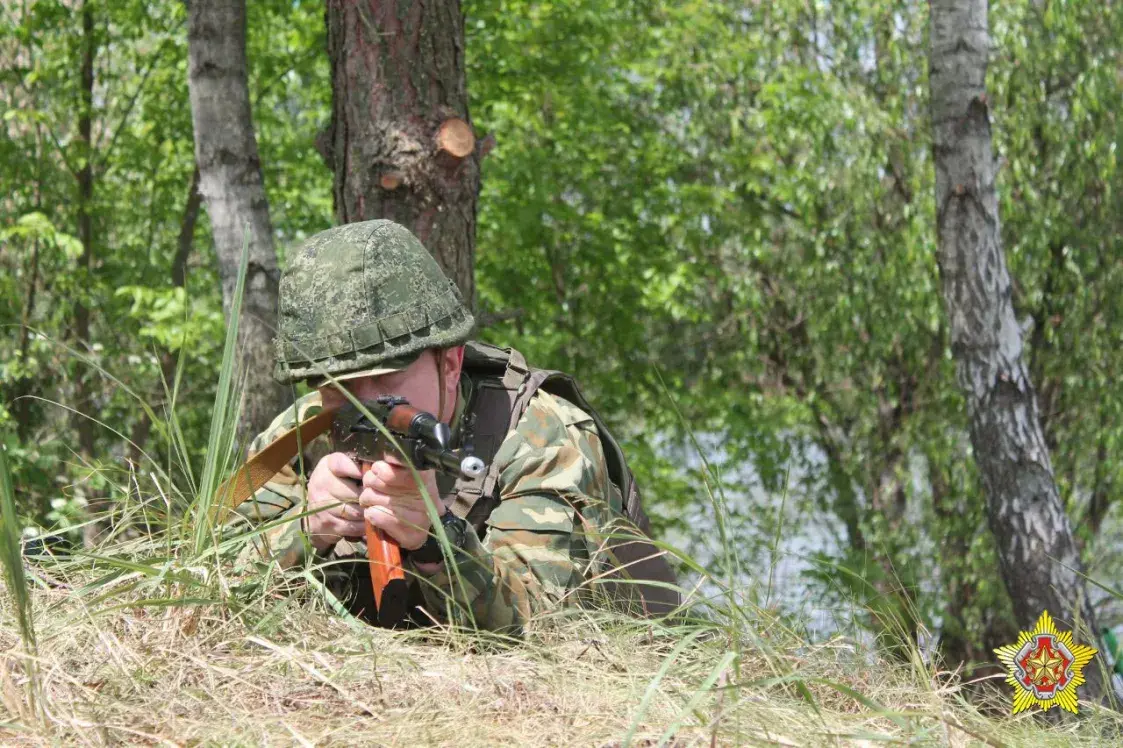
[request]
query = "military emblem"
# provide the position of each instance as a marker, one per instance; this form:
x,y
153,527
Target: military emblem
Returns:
x,y
1045,667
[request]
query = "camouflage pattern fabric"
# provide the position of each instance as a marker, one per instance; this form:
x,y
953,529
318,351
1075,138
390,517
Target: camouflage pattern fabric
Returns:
x,y
543,542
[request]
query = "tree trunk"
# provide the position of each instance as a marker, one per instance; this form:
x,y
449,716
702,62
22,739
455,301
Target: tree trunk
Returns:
x,y
400,143
20,402
973,651
81,421
233,188
1038,557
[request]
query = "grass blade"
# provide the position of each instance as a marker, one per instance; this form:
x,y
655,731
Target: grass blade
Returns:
x,y
697,697
11,552
224,416
653,686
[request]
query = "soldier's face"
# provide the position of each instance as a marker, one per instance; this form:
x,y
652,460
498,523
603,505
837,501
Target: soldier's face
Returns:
x,y
420,383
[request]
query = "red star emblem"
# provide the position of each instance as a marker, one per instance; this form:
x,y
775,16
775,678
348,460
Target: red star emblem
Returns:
x,y
1044,662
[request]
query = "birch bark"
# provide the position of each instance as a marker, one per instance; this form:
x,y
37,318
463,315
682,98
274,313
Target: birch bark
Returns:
x,y
1038,557
232,186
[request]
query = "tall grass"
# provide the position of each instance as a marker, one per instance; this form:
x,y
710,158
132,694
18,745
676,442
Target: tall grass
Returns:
x,y
175,567
11,551
29,708
224,420
274,668
146,639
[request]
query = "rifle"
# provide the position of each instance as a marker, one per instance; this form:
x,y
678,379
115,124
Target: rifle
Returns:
x,y
425,442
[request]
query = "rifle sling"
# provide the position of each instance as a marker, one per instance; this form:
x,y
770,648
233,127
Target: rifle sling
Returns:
x,y
263,465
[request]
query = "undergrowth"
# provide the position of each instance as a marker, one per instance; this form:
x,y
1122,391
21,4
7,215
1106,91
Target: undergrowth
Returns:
x,y
113,664
152,639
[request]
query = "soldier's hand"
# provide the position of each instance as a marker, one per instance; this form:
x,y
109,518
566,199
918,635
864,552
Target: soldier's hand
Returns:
x,y
333,494
393,502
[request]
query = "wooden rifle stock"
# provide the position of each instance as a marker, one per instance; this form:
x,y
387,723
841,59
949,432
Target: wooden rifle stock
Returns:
x,y
391,591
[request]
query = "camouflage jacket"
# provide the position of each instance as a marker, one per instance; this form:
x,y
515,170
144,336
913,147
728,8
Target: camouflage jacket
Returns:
x,y
543,541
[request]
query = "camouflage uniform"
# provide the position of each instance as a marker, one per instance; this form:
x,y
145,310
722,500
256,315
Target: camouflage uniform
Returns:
x,y
542,541
365,299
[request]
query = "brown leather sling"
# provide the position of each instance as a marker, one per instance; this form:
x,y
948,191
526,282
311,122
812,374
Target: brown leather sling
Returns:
x,y
263,465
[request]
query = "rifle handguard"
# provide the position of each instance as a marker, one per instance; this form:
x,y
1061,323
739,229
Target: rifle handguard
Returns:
x,y
388,579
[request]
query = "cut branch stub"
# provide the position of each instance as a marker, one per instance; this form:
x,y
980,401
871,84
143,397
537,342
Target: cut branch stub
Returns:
x,y
391,180
455,138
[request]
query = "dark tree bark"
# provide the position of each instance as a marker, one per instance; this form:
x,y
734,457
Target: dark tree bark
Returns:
x,y
233,188
400,143
81,421
1038,556
20,402
83,426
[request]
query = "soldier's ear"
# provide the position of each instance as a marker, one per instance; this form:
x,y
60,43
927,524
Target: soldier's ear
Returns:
x,y
453,365
450,361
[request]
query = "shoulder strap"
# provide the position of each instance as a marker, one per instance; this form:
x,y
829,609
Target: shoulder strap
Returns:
x,y
261,467
564,386
503,386
499,378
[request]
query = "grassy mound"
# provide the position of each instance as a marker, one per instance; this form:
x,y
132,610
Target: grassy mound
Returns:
x,y
114,664
150,642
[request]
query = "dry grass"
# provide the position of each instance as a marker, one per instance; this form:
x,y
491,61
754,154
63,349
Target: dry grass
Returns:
x,y
286,671
148,643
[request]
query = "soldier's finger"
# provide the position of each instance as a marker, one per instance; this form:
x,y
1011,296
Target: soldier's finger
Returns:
x,y
343,466
390,479
393,458
390,523
381,472
350,528
351,513
371,497
343,489
380,516
408,535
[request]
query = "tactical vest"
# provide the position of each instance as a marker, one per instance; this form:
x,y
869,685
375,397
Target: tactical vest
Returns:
x,y
502,388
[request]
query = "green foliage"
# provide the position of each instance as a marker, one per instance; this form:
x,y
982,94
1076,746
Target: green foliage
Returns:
x,y
290,89
1061,212
741,199
724,205
143,327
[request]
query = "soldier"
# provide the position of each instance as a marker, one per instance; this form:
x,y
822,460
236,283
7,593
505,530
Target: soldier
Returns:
x,y
366,304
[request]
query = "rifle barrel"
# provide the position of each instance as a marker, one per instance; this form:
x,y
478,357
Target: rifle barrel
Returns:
x,y
450,462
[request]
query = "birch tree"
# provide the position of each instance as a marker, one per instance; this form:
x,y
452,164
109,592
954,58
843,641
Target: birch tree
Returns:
x,y
1038,557
232,186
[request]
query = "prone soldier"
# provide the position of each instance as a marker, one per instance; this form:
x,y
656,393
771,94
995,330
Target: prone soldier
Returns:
x,y
554,517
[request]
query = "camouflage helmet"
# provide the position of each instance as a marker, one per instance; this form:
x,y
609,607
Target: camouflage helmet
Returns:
x,y
363,299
